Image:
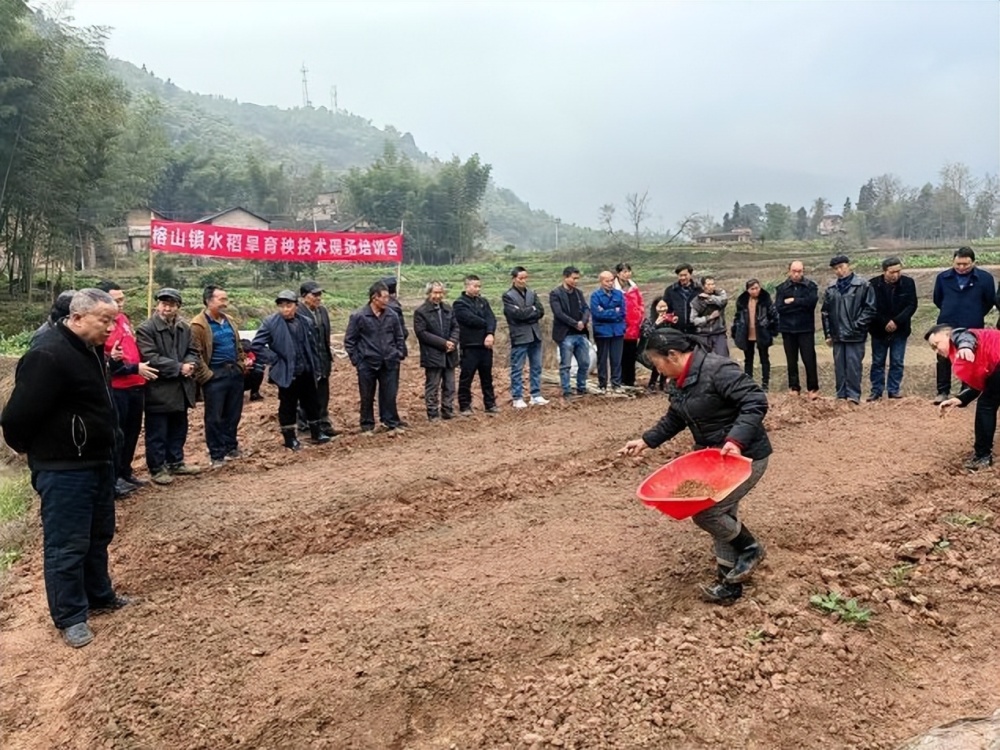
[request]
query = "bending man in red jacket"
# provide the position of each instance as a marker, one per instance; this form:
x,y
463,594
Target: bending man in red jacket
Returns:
x,y
975,357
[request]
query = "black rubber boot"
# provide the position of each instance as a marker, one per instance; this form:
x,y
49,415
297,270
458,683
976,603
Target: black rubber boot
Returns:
x,y
722,592
750,554
291,442
316,435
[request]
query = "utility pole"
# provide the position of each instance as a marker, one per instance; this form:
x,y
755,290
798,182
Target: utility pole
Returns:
x,y
558,222
305,87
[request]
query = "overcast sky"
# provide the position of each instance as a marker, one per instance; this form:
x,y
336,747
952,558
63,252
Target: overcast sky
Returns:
x,y
577,103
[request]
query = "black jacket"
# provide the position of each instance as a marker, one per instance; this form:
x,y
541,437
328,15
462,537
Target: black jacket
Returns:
x,y
61,412
847,315
680,304
374,340
767,320
799,315
523,311
396,306
321,319
167,348
717,402
434,328
896,302
563,323
475,320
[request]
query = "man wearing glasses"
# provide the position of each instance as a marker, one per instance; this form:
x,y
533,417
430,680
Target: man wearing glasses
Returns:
x,y
963,294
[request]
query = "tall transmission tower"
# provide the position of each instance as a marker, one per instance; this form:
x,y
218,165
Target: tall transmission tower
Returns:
x,y
305,87
333,98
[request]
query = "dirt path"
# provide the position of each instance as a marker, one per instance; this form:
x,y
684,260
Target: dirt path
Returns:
x,y
494,583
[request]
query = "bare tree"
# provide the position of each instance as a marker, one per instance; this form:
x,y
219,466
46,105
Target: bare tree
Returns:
x,y
638,210
607,215
694,221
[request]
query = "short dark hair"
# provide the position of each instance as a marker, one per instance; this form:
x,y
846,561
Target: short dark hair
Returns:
x,y
684,267
891,261
376,290
107,286
472,277
665,340
751,282
706,278
209,292
516,270
569,271
622,267
965,252
939,328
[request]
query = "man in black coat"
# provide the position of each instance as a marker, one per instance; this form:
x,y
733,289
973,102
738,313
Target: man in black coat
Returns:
x,y
375,346
895,303
679,295
62,415
570,316
847,312
477,327
436,328
795,300
165,343
311,305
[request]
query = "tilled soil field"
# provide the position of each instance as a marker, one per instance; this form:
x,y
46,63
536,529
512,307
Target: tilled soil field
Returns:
x,y
494,583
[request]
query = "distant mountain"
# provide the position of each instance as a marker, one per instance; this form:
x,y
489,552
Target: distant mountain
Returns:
x,y
307,136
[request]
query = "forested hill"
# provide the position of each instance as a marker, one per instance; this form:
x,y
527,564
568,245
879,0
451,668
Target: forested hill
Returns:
x,y
305,136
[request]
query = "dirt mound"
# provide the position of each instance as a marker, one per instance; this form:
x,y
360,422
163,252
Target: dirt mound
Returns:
x,y
494,582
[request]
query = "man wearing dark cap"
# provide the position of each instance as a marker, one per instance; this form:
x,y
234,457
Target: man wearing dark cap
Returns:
x,y
848,310
221,366
289,342
165,343
311,305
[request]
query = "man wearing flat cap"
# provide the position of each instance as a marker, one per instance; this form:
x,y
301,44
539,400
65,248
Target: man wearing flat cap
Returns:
x,y
848,310
311,305
289,342
165,343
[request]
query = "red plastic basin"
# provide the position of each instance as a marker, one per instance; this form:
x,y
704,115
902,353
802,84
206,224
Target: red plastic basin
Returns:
x,y
722,473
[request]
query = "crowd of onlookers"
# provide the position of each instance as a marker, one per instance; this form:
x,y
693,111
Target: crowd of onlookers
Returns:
x,y
90,379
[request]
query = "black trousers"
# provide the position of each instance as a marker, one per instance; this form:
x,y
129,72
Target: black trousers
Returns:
x,y
765,362
801,345
165,438
986,415
439,391
629,350
223,395
323,399
129,404
385,379
253,380
943,375
301,391
476,359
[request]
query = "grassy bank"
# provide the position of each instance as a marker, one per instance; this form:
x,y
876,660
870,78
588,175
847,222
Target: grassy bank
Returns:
x,y
16,498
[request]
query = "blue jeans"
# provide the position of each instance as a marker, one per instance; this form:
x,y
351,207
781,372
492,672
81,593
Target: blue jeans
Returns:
x,y
223,410
533,353
78,523
577,346
895,348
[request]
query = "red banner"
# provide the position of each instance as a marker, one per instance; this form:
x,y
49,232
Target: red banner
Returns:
x,y
275,245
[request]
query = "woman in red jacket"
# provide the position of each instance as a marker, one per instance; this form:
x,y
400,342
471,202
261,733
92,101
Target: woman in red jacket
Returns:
x,y
635,313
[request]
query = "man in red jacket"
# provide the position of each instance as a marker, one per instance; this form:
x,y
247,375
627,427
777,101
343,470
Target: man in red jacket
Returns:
x,y
975,357
128,384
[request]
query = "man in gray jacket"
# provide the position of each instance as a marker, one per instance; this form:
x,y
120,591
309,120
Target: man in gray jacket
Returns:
x,y
848,310
311,305
523,310
436,328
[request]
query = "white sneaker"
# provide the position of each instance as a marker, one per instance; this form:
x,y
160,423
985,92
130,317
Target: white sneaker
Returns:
x,y
538,401
519,403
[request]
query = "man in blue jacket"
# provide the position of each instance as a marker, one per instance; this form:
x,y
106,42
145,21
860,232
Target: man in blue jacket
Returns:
x,y
607,309
895,303
963,294
289,341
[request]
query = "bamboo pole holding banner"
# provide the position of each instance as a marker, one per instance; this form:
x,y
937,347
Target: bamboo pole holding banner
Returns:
x,y
399,264
149,285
